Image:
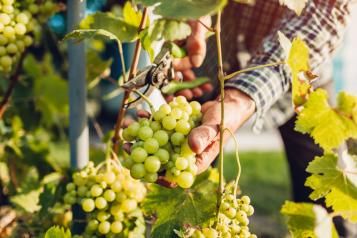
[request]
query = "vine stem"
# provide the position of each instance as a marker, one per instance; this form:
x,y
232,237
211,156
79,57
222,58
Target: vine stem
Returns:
x,y
229,76
217,30
133,70
10,89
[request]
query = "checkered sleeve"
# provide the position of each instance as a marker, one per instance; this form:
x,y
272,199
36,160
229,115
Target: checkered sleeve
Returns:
x,y
321,26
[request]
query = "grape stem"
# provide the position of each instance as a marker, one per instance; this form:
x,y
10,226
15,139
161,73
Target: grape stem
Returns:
x,y
133,70
10,89
147,100
217,31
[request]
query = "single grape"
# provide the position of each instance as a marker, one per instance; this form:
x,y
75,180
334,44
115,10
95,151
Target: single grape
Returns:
x,y
116,227
9,32
5,61
177,138
96,190
20,29
196,107
151,145
145,133
5,18
128,162
152,164
116,186
88,205
163,155
138,155
128,205
22,18
144,122
109,177
162,137
185,180
209,233
181,100
183,127
100,203
93,225
104,227
169,122
103,216
176,113
82,191
109,195
165,109
158,115
181,163
245,199
137,171
151,177
126,135
230,212
155,126
70,187
28,40
133,129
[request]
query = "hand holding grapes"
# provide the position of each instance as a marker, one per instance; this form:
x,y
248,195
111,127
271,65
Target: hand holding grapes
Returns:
x,y
204,140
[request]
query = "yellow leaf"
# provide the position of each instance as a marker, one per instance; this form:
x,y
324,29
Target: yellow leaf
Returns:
x,y
296,5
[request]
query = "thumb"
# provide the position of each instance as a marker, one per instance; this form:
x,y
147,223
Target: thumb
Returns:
x,y
201,137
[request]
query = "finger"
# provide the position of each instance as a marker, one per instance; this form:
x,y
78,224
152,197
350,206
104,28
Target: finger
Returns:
x,y
182,64
143,114
169,98
186,93
127,147
197,92
127,121
163,182
201,137
196,48
207,87
205,159
188,75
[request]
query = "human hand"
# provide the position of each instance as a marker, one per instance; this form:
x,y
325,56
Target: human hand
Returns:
x,y
204,140
195,46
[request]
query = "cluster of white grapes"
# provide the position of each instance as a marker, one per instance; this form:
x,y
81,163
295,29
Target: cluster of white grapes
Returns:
x,y
110,198
18,21
160,145
232,221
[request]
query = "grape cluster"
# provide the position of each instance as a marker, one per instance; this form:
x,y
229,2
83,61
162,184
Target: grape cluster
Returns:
x,y
110,198
15,26
232,218
160,145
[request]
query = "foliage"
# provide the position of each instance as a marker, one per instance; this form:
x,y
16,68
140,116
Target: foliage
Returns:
x,y
58,232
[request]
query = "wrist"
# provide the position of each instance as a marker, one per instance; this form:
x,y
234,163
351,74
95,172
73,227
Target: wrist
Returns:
x,y
244,102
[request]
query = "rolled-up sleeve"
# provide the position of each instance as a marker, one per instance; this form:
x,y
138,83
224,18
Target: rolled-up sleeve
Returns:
x,y
321,25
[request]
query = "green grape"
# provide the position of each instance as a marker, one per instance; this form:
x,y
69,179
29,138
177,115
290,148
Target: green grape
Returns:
x,y
176,172
2,50
109,177
20,29
158,115
68,199
183,127
133,129
245,199
88,205
116,186
196,107
5,61
104,227
225,206
116,227
22,18
96,190
129,205
210,233
162,137
163,155
145,133
100,203
82,191
9,32
152,164
11,48
155,126
197,234
28,40
126,135
5,18
93,225
185,180
128,162
230,212
151,177
144,122
165,109
176,113
181,100
70,187
169,122
20,45
181,163
177,138
109,195
8,9
250,210
193,169
138,155
151,145
137,171
103,216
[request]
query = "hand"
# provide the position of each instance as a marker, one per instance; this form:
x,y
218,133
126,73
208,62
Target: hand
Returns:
x,y
195,46
204,140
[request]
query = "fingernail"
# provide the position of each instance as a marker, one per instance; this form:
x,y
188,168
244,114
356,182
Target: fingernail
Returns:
x,y
196,60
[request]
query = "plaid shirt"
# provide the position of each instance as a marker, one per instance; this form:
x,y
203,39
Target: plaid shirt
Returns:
x,y
253,30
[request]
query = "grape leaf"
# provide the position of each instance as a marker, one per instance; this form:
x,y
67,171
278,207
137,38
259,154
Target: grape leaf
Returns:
x,y
296,5
335,179
327,126
131,16
174,208
58,232
185,9
27,201
308,220
80,35
95,67
117,26
347,104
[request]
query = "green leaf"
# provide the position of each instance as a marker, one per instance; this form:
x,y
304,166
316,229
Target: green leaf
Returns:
x,y
335,179
308,220
95,68
58,232
131,16
328,127
80,35
117,26
296,5
175,30
29,202
185,9
177,51
177,207
347,104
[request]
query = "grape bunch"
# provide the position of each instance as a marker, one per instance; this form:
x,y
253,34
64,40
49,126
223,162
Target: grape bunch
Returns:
x,y
232,220
160,145
110,198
